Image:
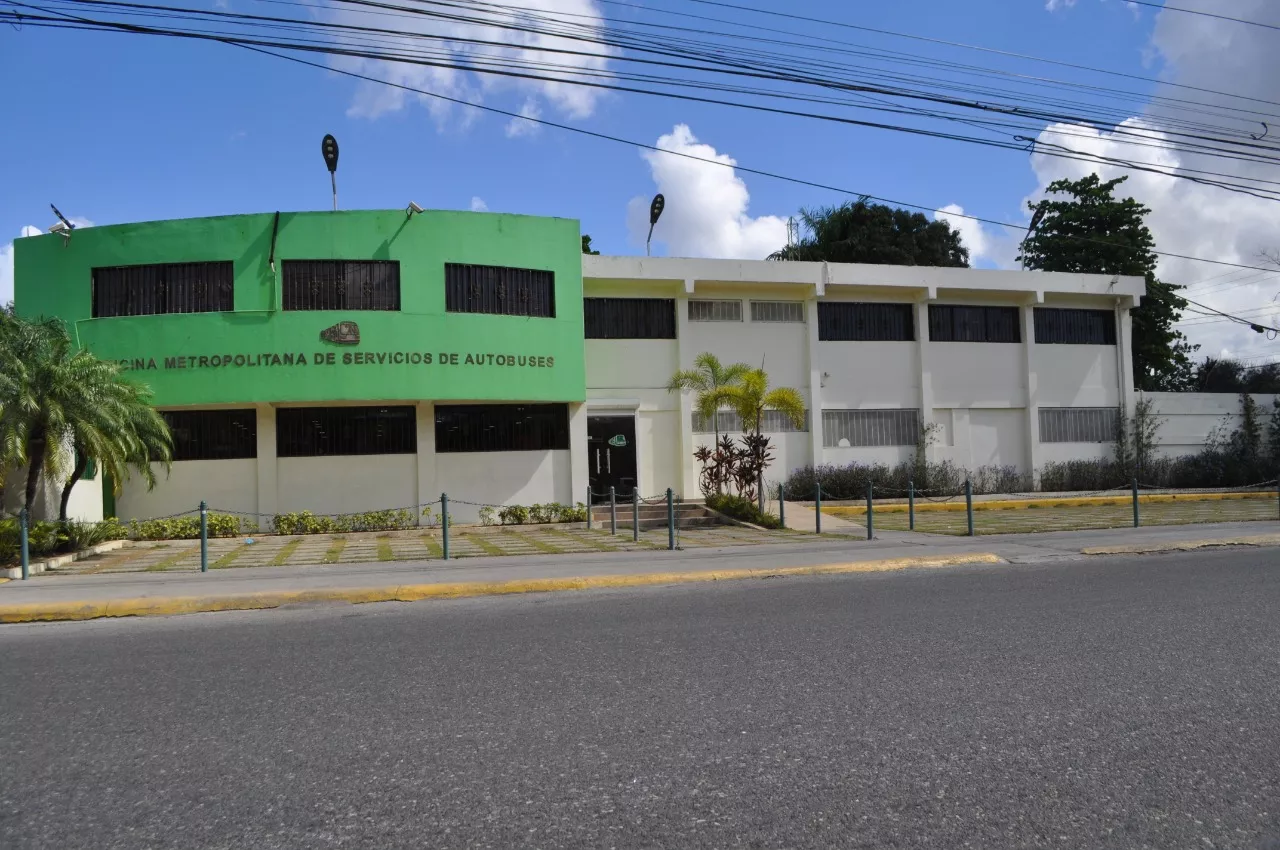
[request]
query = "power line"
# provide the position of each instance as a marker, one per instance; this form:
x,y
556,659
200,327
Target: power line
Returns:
x,y
1168,8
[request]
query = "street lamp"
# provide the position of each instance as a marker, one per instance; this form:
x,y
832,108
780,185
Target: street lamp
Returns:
x,y
329,149
655,212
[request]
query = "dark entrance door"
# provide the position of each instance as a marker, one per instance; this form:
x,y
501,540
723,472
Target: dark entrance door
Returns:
x,y
611,459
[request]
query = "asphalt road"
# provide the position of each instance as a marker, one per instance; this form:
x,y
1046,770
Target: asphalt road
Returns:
x,y
1128,703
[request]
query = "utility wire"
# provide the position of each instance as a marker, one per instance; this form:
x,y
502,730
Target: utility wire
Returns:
x,y
1167,8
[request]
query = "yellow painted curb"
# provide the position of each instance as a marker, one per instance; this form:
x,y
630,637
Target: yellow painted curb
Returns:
x,y
1064,502
1183,546
163,606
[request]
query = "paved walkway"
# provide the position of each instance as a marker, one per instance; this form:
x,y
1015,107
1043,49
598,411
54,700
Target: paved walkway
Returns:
x,y
794,551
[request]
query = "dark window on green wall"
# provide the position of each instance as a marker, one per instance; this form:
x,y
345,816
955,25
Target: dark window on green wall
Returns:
x,y
213,434
845,321
501,427
324,431
158,288
499,290
629,318
1075,327
959,323
340,285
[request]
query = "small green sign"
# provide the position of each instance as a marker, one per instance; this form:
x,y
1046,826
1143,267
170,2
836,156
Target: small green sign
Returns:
x,y
618,440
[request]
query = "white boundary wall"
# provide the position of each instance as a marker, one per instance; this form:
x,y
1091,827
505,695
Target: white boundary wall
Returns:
x,y
1187,420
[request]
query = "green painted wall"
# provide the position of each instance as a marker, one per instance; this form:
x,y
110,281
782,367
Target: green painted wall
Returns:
x,y
53,280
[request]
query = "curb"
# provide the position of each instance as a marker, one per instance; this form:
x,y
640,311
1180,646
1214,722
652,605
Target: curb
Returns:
x,y
37,567
1183,545
1065,502
164,606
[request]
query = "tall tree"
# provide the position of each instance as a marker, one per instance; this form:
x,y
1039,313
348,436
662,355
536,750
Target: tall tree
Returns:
x,y
1083,227
56,400
861,232
586,245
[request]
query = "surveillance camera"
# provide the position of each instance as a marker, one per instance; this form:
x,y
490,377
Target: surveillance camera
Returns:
x,y
413,208
60,227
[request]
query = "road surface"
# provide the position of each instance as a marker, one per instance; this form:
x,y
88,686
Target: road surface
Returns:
x,y
1118,703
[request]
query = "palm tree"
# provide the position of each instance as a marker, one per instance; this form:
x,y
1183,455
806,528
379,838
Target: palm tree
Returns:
x,y
711,380
751,397
54,397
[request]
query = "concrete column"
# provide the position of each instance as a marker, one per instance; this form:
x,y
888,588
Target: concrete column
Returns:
x,y
1124,355
924,352
685,473
267,480
1031,382
815,382
428,487
579,462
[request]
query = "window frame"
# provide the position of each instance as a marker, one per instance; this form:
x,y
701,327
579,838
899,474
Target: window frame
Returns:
x,y
1065,322
660,323
1075,422
155,296
242,446
465,294
966,322
506,422
883,434
291,435
762,306
299,302
860,323
716,308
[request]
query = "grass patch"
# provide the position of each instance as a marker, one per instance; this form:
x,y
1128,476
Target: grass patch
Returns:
x,y
587,537
286,552
433,546
540,545
486,546
384,550
171,561
334,552
228,557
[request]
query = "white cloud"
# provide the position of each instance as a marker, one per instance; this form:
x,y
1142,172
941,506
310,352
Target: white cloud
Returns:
x,y
373,99
478,205
706,205
997,249
523,126
1054,5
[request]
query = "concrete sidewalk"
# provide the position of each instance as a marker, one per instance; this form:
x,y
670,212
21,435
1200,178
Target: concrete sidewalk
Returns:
x,y
89,596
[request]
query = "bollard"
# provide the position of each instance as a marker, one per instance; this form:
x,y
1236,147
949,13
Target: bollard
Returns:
x,y
817,509
1278,491
760,487
968,503
26,550
588,507
782,500
635,514
444,525
204,537
1136,521
613,511
911,506
871,528
671,520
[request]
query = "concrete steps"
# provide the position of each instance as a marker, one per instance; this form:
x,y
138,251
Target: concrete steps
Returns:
x,y
686,514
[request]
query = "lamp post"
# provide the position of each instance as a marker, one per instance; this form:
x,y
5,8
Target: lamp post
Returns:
x,y
655,213
329,149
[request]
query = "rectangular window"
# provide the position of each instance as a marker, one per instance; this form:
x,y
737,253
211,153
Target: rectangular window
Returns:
x,y
502,427
960,323
1075,327
500,291
213,434
715,311
1078,424
845,428
341,285
777,311
163,288
326,431
773,422
849,321
629,318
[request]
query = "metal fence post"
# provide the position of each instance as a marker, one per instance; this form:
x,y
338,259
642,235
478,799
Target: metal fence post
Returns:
x,y
588,507
671,520
782,501
911,506
871,528
1136,521
204,537
817,509
1278,492
444,525
760,487
968,503
23,522
613,511
635,514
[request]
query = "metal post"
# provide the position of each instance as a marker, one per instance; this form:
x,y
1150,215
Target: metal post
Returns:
x,y
635,514
911,506
26,551
588,507
968,503
1136,520
760,487
613,511
782,500
671,520
1278,491
871,528
204,537
817,509
444,525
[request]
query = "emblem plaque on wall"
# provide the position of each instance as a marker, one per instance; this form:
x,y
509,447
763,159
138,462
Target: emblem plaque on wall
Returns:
x,y
343,333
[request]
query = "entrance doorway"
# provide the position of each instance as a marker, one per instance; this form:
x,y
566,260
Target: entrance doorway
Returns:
x,y
611,456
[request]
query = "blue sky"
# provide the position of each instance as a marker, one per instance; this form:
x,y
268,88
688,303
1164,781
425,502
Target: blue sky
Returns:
x,y
116,128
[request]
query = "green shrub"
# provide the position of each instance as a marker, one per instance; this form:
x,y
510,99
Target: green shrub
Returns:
x,y
741,509
486,515
544,513
514,515
575,513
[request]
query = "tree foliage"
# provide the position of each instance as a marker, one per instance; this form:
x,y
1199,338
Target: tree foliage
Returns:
x,y
1226,375
586,246
1082,227
862,232
709,380
59,403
